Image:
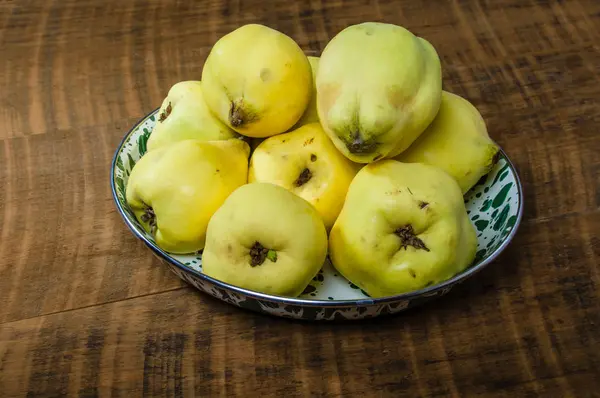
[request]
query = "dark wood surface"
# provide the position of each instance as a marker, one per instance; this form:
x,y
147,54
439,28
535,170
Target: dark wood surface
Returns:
x,y
86,310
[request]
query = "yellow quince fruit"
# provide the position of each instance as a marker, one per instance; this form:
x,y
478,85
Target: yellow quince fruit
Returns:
x,y
305,162
378,87
265,238
184,115
457,141
403,227
174,190
310,114
257,80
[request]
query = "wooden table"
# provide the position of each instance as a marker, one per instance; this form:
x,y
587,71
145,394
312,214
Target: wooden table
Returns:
x,y
86,310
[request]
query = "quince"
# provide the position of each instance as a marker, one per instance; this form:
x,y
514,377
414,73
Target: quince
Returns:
x,y
174,190
265,238
378,87
457,141
310,114
305,162
184,115
257,80
403,227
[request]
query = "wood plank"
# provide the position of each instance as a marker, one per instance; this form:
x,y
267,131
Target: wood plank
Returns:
x,y
62,243
88,311
525,326
535,90
126,61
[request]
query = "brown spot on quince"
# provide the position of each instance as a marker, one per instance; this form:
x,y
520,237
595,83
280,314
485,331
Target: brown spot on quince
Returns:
x,y
329,93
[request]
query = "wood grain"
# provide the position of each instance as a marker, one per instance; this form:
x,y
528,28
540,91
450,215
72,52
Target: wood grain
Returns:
x,y
87,310
505,333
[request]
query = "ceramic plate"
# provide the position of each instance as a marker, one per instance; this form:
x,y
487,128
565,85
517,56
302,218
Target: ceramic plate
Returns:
x,y
495,206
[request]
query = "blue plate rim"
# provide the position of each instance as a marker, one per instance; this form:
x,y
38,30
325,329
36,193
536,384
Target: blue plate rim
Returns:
x,y
308,302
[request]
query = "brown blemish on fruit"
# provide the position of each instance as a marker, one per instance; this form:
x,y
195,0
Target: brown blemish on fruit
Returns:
x,y
423,204
397,97
265,74
165,114
304,177
412,272
408,238
313,157
309,141
328,94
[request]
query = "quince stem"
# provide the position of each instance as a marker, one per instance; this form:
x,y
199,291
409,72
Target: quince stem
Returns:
x,y
304,177
408,238
149,217
240,114
259,253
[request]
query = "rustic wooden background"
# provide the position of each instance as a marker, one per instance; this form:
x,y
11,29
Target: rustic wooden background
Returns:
x,y
86,310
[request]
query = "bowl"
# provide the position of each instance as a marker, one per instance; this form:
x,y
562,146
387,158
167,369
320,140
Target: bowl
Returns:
x,y
494,205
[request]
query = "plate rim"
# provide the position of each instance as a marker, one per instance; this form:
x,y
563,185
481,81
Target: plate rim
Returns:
x,y
294,301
